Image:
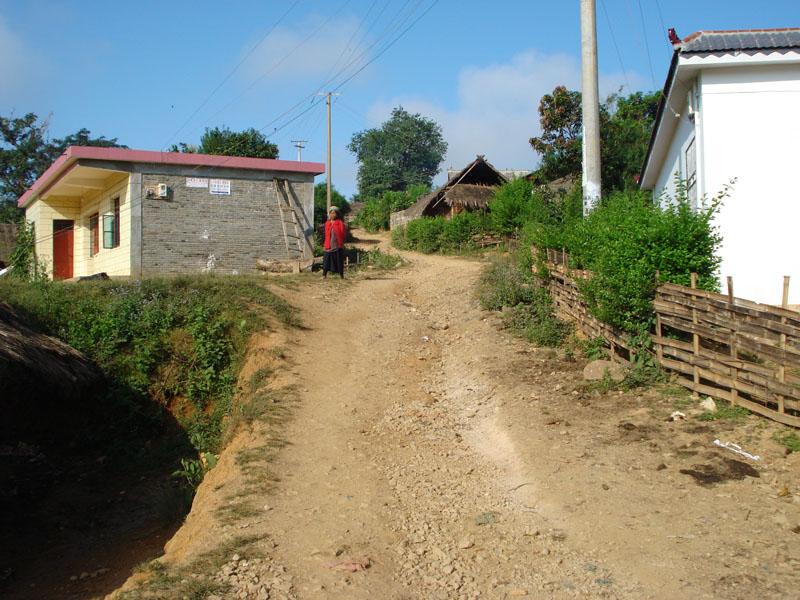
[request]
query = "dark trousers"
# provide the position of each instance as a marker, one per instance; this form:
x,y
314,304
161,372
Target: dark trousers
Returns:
x,y
333,261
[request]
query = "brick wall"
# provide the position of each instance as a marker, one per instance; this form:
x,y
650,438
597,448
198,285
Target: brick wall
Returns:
x,y
194,231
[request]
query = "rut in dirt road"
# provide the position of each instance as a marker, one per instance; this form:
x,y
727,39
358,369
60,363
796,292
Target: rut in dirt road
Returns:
x,y
388,463
427,454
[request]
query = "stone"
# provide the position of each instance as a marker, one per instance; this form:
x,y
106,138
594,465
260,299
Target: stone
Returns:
x,y
466,544
597,369
709,405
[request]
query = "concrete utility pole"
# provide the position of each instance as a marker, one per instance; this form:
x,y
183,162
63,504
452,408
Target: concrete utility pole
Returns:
x,y
591,106
299,144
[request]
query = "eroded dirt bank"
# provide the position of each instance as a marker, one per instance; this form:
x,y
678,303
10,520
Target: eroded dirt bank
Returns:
x,y
457,462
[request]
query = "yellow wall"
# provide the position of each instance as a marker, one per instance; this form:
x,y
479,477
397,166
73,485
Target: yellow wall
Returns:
x,y
42,214
114,261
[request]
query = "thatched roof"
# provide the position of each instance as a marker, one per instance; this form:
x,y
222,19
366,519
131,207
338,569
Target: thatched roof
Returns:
x,y
468,195
471,188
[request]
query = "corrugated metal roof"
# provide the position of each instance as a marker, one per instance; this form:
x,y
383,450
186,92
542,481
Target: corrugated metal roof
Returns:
x,y
731,41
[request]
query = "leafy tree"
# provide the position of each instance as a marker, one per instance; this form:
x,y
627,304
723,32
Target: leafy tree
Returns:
x,y
625,126
222,141
405,151
625,136
321,202
25,153
560,142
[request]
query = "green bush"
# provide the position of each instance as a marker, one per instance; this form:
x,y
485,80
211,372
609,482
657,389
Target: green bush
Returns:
x,y
437,234
424,234
158,341
528,307
504,283
511,207
627,239
374,215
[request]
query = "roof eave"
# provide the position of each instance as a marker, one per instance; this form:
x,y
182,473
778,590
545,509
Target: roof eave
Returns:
x,y
73,153
645,174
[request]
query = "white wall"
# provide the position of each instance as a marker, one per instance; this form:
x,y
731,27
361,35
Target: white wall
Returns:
x,y
751,130
665,184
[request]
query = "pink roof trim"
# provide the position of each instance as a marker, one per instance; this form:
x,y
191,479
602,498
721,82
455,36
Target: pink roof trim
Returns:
x,y
73,153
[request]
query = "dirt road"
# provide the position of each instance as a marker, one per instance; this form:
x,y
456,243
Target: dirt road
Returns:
x,y
457,462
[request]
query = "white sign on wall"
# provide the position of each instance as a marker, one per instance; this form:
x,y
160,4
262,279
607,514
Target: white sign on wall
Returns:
x,y
196,182
219,187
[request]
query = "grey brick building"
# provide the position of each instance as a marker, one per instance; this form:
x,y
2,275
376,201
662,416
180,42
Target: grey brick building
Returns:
x,y
134,213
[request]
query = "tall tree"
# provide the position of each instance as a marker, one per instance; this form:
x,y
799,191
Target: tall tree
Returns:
x,y
25,153
405,151
625,126
560,143
222,141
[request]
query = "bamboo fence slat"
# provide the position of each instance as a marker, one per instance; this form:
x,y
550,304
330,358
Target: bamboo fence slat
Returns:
x,y
720,345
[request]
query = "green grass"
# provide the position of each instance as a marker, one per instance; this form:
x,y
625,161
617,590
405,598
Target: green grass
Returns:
x,y
724,412
377,259
165,346
789,439
196,580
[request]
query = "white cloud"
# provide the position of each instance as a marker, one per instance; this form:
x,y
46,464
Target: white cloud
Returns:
x,y
496,112
19,66
313,48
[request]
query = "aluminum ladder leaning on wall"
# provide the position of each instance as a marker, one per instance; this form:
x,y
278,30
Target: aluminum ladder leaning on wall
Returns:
x,y
298,246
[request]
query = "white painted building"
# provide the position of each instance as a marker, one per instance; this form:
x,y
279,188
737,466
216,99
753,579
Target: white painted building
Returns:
x,y
731,110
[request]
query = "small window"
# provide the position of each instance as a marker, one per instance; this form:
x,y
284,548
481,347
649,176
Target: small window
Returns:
x,y
111,227
94,234
691,173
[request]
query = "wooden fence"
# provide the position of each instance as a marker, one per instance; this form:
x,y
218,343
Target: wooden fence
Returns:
x,y
726,347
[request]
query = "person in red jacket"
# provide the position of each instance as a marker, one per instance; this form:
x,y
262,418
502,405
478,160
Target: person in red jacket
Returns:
x,y
335,235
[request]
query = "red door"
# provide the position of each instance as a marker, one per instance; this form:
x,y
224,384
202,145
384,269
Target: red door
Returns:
x,y
62,248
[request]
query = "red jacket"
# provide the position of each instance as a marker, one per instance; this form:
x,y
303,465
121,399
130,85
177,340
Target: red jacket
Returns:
x,y
339,230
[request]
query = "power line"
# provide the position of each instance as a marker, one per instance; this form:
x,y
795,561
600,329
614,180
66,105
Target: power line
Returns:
x,y
647,45
232,71
280,61
309,108
390,27
663,27
616,47
385,48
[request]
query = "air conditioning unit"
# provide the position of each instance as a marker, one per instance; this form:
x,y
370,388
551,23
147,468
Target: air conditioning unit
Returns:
x,y
162,191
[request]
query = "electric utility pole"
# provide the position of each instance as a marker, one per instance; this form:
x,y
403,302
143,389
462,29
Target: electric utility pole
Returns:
x,y
590,107
299,144
328,96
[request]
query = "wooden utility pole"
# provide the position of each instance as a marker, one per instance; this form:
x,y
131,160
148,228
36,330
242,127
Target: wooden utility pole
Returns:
x,y
328,96
328,203
590,107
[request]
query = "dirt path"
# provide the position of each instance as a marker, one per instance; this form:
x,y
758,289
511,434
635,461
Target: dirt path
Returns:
x,y
460,463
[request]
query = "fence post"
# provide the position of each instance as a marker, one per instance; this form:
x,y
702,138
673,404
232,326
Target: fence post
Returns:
x,y
695,344
782,366
732,344
659,347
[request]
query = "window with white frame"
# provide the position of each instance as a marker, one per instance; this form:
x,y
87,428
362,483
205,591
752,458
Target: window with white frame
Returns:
x,y
111,226
690,172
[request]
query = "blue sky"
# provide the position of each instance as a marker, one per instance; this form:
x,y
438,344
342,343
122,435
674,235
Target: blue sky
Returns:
x,y
139,70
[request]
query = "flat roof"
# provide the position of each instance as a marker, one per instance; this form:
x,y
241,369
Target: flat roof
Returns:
x,y
74,153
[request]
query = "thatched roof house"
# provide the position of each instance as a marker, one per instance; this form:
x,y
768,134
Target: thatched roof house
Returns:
x,y
469,189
